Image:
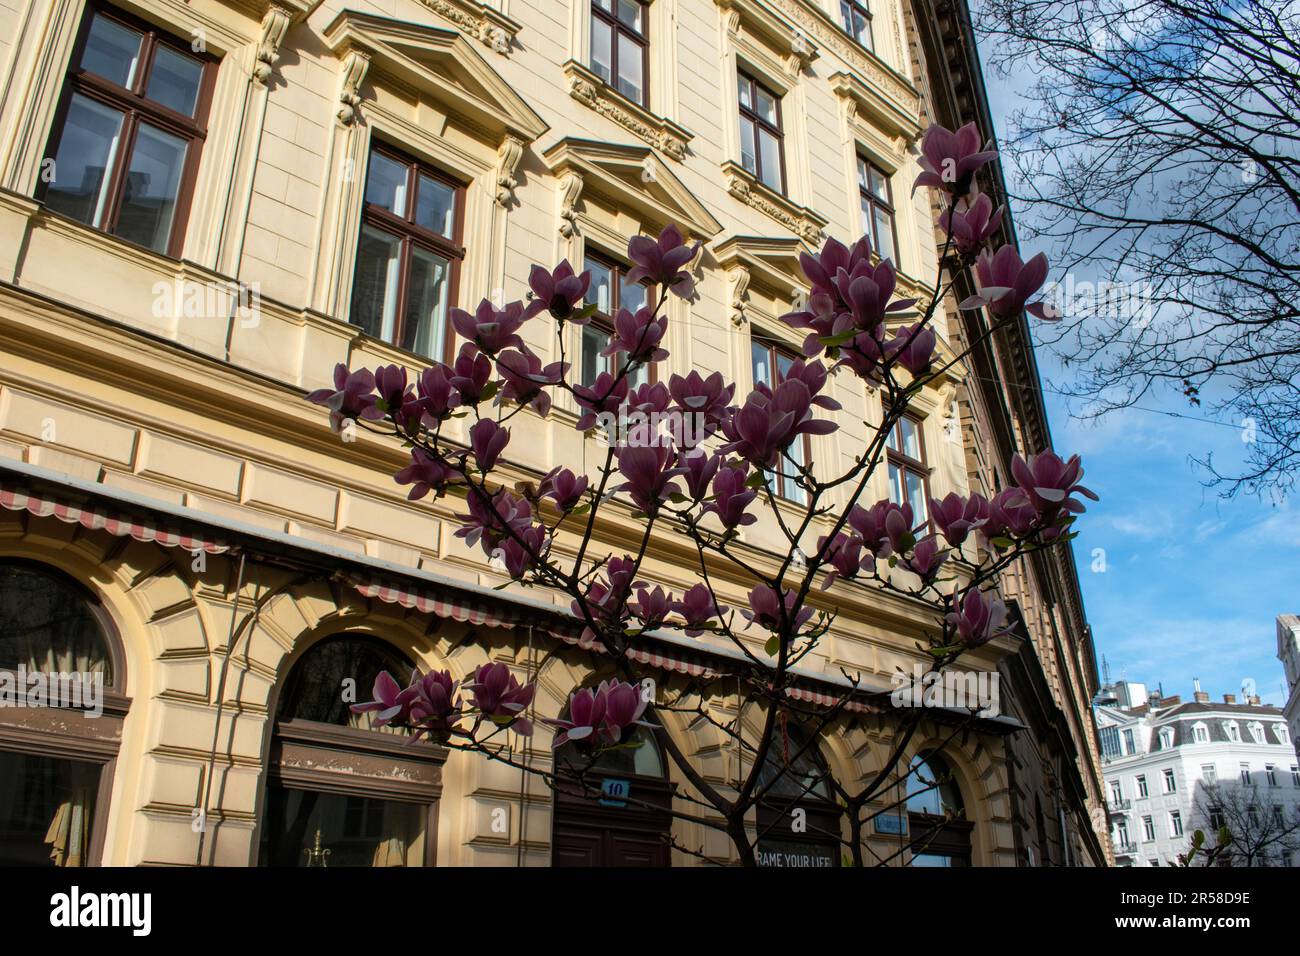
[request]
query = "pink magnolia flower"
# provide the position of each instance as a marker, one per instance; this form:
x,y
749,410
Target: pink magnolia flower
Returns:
x,y
602,715
559,291
976,620
835,257
662,261
698,469
638,334
698,609
525,381
437,396
392,703
846,558
393,392
709,397
1051,483
731,496
649,398
769,420
351,397
470,374
974,226
927,558
487,522
1010,513
649,471
949,160
586,715
563,487
625,703
435,706
913,348
490,328
956,517
651,607
520,551
605,396
425,473
500,697
487,440
765,609
885,527
1006,284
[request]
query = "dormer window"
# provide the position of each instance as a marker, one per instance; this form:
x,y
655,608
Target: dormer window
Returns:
x,y
1257,732
1230,728
1166,738
1280,732
1201,733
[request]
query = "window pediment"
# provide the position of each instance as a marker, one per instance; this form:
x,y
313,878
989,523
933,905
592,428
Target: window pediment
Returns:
x,y
439,62
896,117
629,177
772,30
760,264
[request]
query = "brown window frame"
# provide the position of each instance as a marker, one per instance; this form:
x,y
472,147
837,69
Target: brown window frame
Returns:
x,y
873,202
47,731
410,234
775,350
605,320
857,6
908,464
136,108
642,39
750,114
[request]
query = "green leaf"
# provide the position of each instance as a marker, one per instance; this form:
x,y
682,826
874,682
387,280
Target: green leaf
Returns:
x,y
489,392
1003,543
840,339
773,645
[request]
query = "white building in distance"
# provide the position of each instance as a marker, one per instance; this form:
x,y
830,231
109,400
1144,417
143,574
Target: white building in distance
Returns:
x,y
1288,652
1169,764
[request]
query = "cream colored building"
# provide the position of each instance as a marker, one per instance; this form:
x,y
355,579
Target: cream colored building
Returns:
x,y
205,205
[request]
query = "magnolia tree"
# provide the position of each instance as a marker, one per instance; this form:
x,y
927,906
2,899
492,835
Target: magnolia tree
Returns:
x,y
705,479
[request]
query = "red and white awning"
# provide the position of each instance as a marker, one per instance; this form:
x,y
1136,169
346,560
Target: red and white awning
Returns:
x,y
828,700
668,662
98,518
443,605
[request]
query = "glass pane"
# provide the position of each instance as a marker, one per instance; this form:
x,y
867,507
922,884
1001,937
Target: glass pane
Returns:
x,y
783,365
765,105
771,159
916,497
632,295
153,182
643,760
594,341
602,47
862,32
630,68
896,484
789,490
933,860
47,808
629,11
374,293
911,438
863,181
386,183
748,153
435,206
865,206
425,325
794,768
884,233
174,80
846,15
602,284
315,687
879,184
112,51
87,150
891,440
759,359
46,625
604,4
307,828
746,91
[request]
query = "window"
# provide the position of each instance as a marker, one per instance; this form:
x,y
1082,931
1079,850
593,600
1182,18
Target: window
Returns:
x,y
56,765
129,132
1201,734
1216,818
372,803
769,364
1280,731
1142,785
793,786
875,198
1257,732
1153,862
1116,792
934,804
1279,819
855,18
1234,733
620,46
611,292
1270,772
409,254
1121,833
1295,776
909,478
1129,746
1166,738
1245,774
761,149
1148,829
1209,774
1175,823
1171,784
1109,738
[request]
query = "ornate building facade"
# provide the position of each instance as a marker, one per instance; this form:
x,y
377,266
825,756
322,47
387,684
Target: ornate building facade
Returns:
x,y
206,204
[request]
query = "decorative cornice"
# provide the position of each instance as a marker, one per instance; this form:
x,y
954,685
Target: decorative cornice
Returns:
x,y
490,27
661,133
355,66
800,220
275,24
783,34
894,118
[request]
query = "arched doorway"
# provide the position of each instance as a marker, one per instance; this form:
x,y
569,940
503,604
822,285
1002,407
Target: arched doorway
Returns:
x,y
59,654
940,835
628,824
341,792
798,820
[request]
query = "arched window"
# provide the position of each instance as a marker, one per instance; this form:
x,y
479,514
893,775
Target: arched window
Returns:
x,y
628,824
340,792
935,810
798,820
61,678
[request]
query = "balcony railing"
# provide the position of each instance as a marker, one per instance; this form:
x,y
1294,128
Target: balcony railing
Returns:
x,y
1127,848
1121,805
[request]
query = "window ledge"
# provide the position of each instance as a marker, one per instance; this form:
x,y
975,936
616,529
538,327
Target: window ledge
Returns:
x,y
800,220
661,133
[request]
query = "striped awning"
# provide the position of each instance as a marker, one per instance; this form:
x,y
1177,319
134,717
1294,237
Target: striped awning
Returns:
x,y
443,605
681,664
100,518
828,700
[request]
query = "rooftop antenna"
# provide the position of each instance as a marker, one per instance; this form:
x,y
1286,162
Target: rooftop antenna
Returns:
x,y
1105,670
1247,688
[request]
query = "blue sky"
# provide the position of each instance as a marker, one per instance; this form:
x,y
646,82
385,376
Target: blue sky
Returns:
x,y
1192,583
